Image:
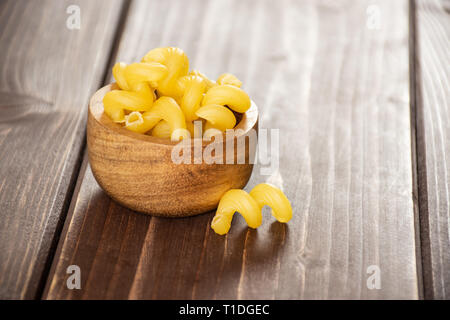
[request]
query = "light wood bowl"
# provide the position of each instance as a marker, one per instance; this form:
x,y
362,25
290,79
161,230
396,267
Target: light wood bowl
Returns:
x,y
137,171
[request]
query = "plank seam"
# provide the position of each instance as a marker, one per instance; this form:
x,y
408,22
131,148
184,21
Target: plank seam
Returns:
x,y
420,188
79,169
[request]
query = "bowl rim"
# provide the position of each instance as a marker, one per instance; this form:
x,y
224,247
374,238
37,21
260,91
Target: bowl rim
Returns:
x,y
96,110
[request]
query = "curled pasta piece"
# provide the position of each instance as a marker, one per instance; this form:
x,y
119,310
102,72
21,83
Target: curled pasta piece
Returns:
x,y
219,116
145,91
116,113
167,109
151,72
134,122
177,65
232,96
268,195
129,100
119,74
141,123
193,87
250,207
209,83
228,78
162,130
232,201
116,101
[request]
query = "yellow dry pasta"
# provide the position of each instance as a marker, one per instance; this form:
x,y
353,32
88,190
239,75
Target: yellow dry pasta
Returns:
x,y
116,100
267,195
177,65
162,130
164,73
250,205
193,88
218,116
144,90
209,83
141,123
232,201
140,99
231,96
117,114
151,72
119,74
228,78
135,122
167,109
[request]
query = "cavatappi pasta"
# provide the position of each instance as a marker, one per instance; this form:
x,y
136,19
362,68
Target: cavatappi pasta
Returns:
x,y
250,205
161,97
218,116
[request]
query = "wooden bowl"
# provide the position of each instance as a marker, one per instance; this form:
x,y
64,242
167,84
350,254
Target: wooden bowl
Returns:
x,y
137,170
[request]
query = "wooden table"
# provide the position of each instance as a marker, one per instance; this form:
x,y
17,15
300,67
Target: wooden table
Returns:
x,y
358,89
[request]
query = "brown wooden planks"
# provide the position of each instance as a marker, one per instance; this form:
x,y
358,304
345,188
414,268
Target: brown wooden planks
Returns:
x,y
432,77
47,74
337,89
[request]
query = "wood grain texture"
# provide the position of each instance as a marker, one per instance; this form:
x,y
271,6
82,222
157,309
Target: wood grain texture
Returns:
x,y
47,74
337,90
433,142
146,179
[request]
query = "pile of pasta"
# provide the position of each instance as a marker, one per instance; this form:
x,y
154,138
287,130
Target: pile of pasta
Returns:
x,y
160,97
